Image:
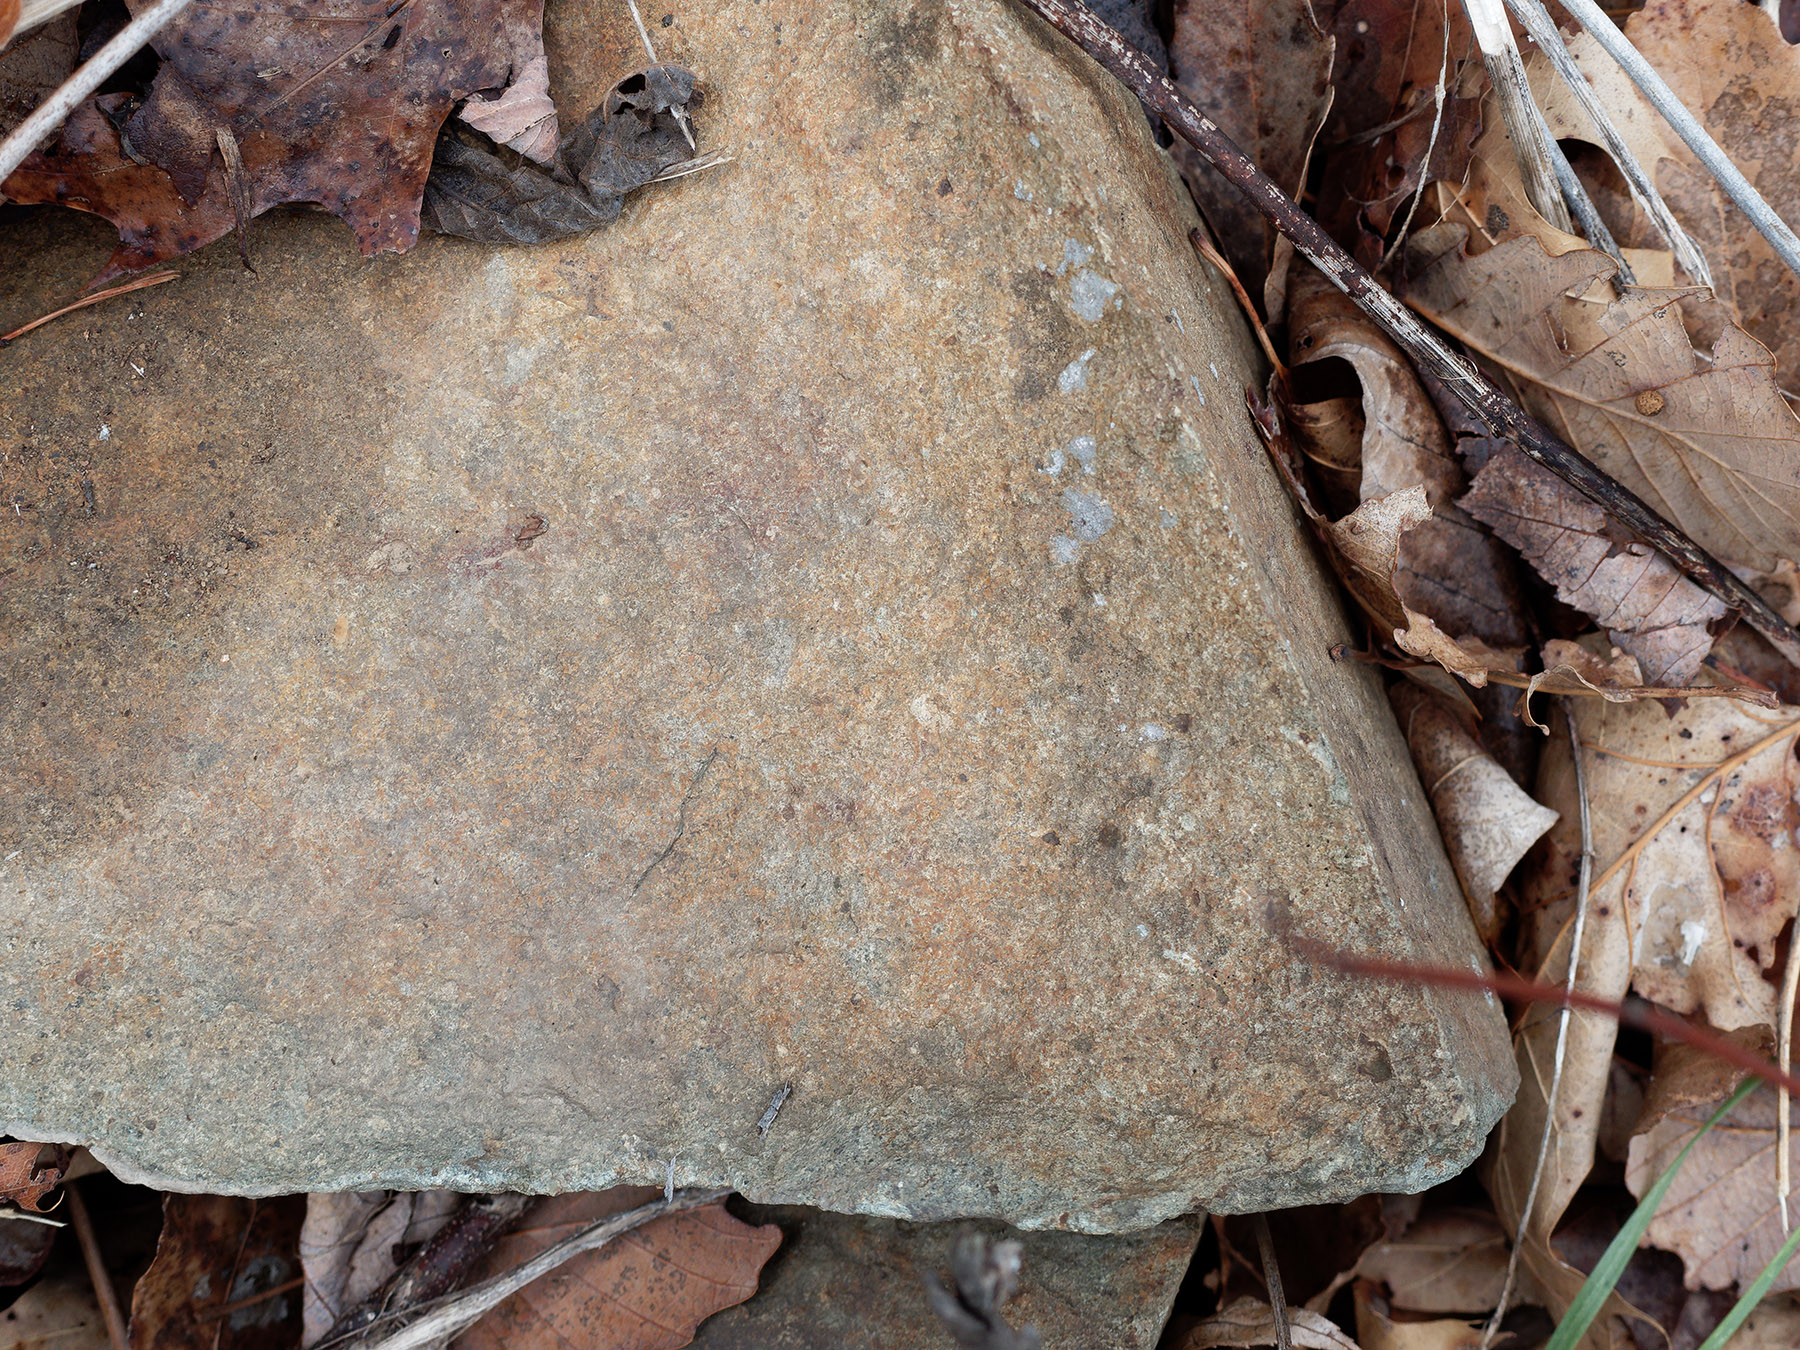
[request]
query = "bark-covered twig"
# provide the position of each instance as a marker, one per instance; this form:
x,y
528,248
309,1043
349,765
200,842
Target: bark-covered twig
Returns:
x,y
1504,419
1265,1248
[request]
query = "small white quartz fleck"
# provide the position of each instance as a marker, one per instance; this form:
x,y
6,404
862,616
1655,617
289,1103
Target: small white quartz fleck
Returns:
x,y
1074,375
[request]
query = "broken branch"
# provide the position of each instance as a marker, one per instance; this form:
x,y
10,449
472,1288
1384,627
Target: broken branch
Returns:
x,y
1504,419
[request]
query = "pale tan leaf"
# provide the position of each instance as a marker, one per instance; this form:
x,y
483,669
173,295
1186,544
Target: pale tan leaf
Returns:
x,y
1375,1330
1709,443
1571,669
1487,820
1720,1215
1775,1325
1470,657
1448,1261
349,1242
1250,1321
1366,547
1636,594
59,1312
522,118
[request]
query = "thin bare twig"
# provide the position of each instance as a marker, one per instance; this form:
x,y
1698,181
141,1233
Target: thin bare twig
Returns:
x,y
1747,199
1532,145
678,113
456,1311
1504,419
1440,96
107,1296
1583,883
1265,1247
55,110
1538,23
1784,1182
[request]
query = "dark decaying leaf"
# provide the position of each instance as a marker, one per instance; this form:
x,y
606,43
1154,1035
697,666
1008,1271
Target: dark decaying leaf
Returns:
x,y
1638,596
24,1247
29,1172
649,1289
497,198
1261,69
219,1262
985,1276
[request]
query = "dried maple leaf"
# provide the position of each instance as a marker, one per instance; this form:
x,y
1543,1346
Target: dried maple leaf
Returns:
x,y
647,1290
1488,821
1721,1215
1261,69
341,109
1637,595
1709,443
28,1173
216,1250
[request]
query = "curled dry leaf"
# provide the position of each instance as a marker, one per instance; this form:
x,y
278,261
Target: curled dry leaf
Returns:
x,y
29,1172
1487,820
351,1242
1721,1215
1250,1321
647,1290
1447,566
1261,69
523,117
1637,595
1710,444
1448,1261
217,1250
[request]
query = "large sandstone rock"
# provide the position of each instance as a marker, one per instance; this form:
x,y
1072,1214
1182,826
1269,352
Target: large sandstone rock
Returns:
x,y
489,717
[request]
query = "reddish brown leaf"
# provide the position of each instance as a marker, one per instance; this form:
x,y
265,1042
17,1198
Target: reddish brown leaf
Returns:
x,y
648,1290
29,1172
218,1261
341,109
1261,69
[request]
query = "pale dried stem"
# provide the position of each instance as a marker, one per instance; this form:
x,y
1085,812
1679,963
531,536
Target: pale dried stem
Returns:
x,y
104,1293
1538,23
1784,1182
1530,138
55,110
1716,162
452,1314
1583,885
1265,1246
1440,96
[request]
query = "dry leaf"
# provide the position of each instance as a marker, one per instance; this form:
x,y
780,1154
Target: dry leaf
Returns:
x,y
1487,820
1261,69
1775,1325
1390,56
1377,1331
1250,1321
1730,67
214,1250
24,1247
1710,444
59,1312
1637,595
1720,1216
650,1288
523,117
350,1245
29,1172
1448,1261
343,114
1447,567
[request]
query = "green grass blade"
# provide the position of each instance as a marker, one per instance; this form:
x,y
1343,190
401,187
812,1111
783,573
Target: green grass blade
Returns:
x,y
1741,1310
1592,1295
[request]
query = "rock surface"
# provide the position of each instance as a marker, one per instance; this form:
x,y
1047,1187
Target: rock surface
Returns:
x,y
847,1282
490,717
